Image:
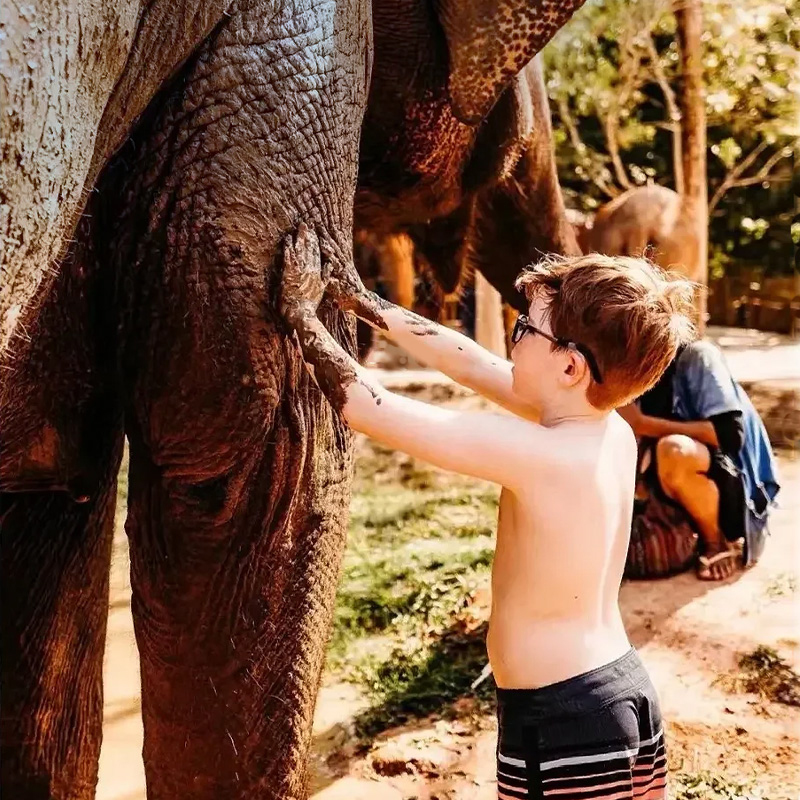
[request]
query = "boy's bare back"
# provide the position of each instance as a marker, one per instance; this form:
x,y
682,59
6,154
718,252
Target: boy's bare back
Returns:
x,y
562,539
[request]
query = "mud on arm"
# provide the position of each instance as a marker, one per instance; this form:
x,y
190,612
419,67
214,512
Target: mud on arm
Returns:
x,y
437,346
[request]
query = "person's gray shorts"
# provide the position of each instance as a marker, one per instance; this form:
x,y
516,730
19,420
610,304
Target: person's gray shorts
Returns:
x,y
597,736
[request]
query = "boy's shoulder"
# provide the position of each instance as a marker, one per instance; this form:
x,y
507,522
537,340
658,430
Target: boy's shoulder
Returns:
x,y
594,463
573,446
622,436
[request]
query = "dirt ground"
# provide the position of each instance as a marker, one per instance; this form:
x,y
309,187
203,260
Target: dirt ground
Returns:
x,y
690,635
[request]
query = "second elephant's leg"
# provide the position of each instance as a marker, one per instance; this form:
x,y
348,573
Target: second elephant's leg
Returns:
x,y
61,434
396,257
240,471
522,218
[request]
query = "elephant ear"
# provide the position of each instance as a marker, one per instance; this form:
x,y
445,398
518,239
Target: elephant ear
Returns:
x,y
490,41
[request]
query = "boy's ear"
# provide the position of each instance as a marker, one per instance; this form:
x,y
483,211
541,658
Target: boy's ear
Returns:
x,y
575,367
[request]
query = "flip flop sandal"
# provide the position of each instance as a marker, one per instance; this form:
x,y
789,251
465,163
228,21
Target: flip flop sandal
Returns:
x,y
704,572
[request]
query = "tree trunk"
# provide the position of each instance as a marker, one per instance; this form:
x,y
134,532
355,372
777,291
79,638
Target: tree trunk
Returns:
x,y
397,267
489,324
689,16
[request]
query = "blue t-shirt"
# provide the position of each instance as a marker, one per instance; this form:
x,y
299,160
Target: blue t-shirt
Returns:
x,y
702,387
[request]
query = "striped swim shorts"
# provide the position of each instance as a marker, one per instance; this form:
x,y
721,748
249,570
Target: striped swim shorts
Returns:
x,y
597,736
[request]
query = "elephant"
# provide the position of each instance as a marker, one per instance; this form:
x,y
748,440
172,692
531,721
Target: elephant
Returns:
x,y
648,219
487,198
445,195
154,159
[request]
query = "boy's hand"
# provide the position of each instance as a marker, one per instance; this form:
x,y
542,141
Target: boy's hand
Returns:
x,y
307,278
304,278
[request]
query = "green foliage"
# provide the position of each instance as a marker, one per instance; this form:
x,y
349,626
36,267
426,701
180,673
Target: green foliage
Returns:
x,y
766,673
707,786
614,82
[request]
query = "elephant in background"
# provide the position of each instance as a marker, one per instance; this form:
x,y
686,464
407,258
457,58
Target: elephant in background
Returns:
x,y
482,196
648,219
154,158
437,192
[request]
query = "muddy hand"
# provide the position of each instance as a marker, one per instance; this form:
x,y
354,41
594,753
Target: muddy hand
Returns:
x,y
346,289
304,277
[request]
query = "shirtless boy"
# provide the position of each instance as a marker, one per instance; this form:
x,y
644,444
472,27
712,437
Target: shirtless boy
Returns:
x,y
578,716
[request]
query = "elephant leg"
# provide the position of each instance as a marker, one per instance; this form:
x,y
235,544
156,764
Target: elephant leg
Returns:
x,y
440,244
240,470
62,442
522,218
396,257
515,224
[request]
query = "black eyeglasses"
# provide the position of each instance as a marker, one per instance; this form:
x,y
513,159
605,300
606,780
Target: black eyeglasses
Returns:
x,y
523,325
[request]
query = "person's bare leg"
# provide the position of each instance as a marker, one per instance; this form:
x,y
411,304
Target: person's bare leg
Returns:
x,y
682,466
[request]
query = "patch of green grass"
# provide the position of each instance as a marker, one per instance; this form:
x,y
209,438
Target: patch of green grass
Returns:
x,y
764,672
412,560
415,601
781,585
707,786
389,515
420,547
407,593
417,680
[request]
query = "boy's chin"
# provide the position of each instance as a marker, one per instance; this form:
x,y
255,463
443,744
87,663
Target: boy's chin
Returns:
x,y
519,392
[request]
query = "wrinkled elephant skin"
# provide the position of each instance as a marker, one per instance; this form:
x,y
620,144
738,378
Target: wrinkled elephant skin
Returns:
x,y
484,197
73,79
162,324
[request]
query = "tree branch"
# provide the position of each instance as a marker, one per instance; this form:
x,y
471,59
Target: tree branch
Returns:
x,y
753,179
673,110
580,148
610,127
733,178
631,78
569,124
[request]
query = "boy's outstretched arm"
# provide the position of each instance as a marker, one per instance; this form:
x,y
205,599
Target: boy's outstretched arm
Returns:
x,y
488,446
441,348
